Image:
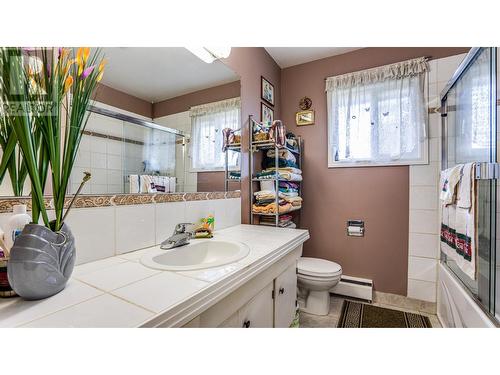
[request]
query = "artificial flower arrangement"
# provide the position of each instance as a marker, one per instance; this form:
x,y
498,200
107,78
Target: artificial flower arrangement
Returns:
x,y
45,96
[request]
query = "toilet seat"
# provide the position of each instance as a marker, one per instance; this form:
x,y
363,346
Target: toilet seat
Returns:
x,y
317,278
318,268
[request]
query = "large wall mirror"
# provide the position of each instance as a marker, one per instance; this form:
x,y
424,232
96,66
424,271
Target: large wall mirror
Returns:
x,y
156,125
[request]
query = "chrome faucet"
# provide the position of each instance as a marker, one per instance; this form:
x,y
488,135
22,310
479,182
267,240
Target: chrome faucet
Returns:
x,y
180,237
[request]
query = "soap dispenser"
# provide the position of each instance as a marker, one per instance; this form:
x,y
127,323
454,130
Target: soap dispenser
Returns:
x,y
15,224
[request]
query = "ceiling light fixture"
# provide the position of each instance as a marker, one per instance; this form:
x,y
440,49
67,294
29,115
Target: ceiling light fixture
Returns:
x,y
210,54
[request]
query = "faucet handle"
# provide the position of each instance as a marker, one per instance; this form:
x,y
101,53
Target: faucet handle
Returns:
x,y
181,227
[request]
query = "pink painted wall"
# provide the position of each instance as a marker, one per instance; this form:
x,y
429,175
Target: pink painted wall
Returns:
x,y
250,63
127,102
184,102
377,195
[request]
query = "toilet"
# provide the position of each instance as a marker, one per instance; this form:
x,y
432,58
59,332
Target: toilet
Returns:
x,y
315,278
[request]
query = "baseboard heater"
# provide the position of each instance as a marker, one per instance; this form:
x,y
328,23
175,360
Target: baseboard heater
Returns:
x,y
354,287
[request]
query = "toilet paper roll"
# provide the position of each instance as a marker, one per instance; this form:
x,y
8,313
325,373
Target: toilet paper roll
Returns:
x,y
354,230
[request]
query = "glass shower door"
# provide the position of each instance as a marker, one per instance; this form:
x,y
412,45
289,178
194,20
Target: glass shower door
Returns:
x,y
469,135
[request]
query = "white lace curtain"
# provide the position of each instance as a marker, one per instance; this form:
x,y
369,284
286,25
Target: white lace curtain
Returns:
x,y
207,122
377,116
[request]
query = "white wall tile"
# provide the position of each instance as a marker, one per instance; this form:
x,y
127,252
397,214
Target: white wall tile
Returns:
x,y
423,197
98,160
425,175
94,231
196,210
424,245
135,227
447,66
424,221
422,269
227,213
167,215
422,290
434,125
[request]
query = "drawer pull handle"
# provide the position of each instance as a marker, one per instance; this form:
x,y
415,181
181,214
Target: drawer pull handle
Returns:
x,y
246,324
282,290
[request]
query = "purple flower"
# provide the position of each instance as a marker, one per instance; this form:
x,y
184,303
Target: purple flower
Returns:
x,y
59,52
87,72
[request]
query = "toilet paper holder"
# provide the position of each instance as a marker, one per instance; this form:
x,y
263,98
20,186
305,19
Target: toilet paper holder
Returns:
x,y
356,228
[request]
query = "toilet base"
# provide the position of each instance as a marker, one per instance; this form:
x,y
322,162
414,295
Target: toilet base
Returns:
x,y
316,303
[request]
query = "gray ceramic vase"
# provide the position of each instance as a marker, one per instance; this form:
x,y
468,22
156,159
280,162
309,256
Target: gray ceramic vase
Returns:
x,y
41,261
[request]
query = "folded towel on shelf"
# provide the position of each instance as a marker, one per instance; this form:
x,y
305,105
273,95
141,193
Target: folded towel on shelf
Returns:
x,y
458,224
288,185
281,174
294,201
271,208
134,184
268,162
267,185
287,169
234,175
284,154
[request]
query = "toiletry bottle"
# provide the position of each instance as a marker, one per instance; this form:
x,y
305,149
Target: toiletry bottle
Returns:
x,y
15,224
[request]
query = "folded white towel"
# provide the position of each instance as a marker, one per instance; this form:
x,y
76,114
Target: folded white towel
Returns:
x,y
448,183
133,181
267,185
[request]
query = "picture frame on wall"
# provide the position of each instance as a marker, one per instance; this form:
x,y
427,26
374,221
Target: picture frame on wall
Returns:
x,y
304,118
266,114
267,91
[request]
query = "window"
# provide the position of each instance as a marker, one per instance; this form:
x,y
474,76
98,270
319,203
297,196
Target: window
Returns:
x,y
377,116
207,122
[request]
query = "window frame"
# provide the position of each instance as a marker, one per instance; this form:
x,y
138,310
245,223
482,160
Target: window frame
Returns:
x,y
424,145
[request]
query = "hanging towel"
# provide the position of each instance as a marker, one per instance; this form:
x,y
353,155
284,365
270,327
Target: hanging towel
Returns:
x,y
277,133
464,193
227,138
133,182
458,226
448,183
147,184
172,183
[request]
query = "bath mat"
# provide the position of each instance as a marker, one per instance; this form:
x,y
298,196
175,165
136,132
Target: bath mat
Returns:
x,y
361,315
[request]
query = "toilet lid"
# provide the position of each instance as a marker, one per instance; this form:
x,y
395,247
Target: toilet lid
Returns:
x,y
318,267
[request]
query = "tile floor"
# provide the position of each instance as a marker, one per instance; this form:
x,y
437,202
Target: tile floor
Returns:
x,y
331,320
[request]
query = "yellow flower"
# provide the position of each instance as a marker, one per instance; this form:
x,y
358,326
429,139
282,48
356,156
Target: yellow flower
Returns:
x,y
86,53
101,69
102,65
68,66
79,59
68,83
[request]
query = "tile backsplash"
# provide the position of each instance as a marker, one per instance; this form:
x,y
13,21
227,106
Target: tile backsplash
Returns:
x,y
102,232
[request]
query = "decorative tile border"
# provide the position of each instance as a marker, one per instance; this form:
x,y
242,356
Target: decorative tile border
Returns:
x,y
89,201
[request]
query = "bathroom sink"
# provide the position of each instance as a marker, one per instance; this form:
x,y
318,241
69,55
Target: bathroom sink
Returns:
x,y
197,255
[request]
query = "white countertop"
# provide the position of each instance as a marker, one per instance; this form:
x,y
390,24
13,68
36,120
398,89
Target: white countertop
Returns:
x,y
121,292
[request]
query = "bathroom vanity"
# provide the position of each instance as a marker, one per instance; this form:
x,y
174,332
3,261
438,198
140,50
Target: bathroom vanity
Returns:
x,y
258,290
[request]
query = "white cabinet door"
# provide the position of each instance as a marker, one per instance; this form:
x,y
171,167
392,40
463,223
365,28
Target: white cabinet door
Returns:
x,y
231,322
258,312
285,292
